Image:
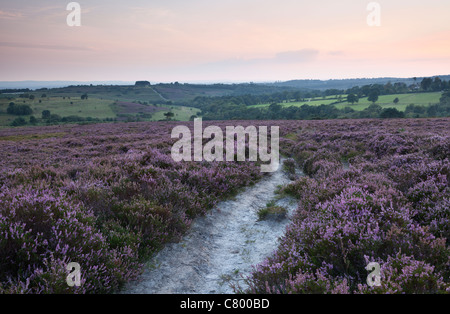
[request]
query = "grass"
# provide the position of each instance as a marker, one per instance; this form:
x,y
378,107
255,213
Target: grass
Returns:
x,y
272,211
5,120
65,106
385,101
18,138
312,102
181,113
92,107
291,136
83,108
114,93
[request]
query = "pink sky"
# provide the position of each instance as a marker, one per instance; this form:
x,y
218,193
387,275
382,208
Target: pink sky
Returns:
x,y
245,40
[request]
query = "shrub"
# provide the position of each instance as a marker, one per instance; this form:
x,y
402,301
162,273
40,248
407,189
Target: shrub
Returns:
x,y
20,110
43,231
19,122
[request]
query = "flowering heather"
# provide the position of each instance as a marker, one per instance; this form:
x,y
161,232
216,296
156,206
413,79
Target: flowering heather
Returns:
x,y
105,196
376,191
109,196
42,231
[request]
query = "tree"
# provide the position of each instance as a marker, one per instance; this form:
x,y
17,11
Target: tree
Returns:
x,y
416,110
352,98
426,83
20,110
391,113
373,96
54,118
142,83
169,115
445,98
396,100
19,122
388,88
10,108
436,86
365,90
274,107
33,120
46,114
373,111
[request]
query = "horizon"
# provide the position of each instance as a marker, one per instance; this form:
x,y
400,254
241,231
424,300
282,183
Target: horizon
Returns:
x,y
36,85
237,41
64,83
235,81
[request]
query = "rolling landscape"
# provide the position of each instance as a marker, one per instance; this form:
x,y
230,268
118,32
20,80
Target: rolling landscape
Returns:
x,y
183,102
132,201
132,156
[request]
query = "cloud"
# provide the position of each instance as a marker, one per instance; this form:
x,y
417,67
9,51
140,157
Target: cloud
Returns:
x,y
42,46
299,56
10,15
336,53
285,57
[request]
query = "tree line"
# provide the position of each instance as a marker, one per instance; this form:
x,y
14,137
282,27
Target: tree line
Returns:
x,y
224,108
353,94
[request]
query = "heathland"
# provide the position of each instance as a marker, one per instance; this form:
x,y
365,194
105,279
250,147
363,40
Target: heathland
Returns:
x,y
86,176
109,196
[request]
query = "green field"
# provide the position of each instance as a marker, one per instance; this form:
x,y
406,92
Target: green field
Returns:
x,y
115,93
385,101
311,102
181,113
96,108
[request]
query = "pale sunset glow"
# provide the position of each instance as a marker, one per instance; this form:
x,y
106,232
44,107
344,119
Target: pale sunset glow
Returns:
x,y
232,40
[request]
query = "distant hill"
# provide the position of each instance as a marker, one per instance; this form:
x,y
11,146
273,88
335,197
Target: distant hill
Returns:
x,y
349,83
185,91
55,84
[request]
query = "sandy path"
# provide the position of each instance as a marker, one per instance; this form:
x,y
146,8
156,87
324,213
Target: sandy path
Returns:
x,y
221,247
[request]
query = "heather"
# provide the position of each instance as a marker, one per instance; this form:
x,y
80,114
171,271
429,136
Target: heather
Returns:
x,y
105,196
110,196
373,192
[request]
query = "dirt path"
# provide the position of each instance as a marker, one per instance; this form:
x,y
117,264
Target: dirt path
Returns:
x,y
221,247
157,93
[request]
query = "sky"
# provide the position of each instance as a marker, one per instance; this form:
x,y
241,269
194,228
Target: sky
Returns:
x,y
223,41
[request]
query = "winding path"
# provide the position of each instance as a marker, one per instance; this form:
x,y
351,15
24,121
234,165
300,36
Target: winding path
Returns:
x,y
220,248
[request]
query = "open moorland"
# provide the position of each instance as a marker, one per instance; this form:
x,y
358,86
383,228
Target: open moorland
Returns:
x,y
110,196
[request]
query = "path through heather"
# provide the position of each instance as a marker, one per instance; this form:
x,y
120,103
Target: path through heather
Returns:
x,y
221,247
